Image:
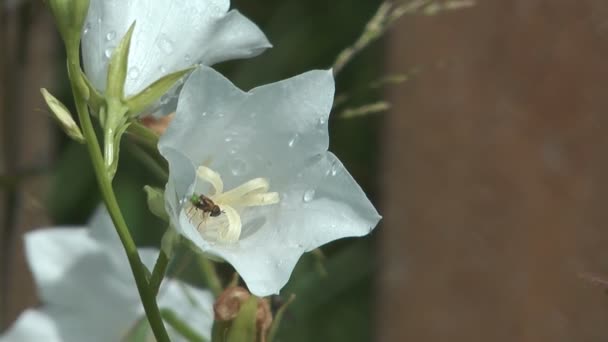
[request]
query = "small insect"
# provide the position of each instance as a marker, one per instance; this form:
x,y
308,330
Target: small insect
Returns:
x,y
205,204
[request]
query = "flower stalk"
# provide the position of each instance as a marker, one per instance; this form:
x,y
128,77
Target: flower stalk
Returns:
x,y
105,185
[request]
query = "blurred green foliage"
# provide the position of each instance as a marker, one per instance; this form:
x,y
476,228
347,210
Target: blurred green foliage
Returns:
x,y
306,35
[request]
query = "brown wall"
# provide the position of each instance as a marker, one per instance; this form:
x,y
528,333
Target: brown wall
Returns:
x,y
496,175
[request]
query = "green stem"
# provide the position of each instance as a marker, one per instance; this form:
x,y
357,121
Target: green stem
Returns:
x,y
160,268
211,277
181,327
148,300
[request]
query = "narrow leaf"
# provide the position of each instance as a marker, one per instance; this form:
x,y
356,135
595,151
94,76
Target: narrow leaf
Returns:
x,y
147,97
117,69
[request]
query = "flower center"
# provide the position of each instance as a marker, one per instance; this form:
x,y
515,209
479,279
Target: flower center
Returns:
x,y
217,216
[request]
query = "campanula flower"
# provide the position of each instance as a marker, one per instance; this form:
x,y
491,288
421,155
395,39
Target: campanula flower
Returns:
x,y
250,177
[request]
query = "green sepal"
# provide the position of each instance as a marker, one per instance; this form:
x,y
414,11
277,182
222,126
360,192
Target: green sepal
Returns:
x,y
63,116
243,327
156,202
96,100
117,67
147,97
169,241
276,322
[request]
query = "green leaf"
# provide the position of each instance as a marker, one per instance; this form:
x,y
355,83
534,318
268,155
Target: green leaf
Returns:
x,y
63,116
117,69
139,102
243,326
156,202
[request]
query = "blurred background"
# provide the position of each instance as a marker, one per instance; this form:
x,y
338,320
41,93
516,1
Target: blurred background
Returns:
x,y
489,167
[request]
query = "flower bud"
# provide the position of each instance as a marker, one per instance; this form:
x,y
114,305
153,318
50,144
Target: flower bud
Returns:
x,y
69,17
63,116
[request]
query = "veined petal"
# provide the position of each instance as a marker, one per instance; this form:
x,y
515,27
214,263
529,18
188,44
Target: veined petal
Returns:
x,y
253,134
275,237
158,44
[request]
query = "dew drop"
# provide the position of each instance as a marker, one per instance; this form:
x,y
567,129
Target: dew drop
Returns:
x,y
162,69
233,151
321,122
238,167
133,73
111,35
204,114
228,139
221,115
293,140
309,195
165,44
164,99
334,169
86,28
108,52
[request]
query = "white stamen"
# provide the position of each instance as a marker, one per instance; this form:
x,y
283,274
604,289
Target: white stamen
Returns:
x,y
226,227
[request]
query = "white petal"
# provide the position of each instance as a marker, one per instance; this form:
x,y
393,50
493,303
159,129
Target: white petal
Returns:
x,y
51,253
32,326
274,237
193,306
269,130
170,35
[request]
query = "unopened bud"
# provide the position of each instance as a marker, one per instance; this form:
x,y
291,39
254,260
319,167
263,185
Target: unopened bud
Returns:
x,y
69,17
63,116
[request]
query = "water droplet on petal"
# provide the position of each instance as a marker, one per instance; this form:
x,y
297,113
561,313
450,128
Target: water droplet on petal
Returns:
x,y
133,73
233,151
111,35
238,167
293,140
204,114
86,28
228,139
162,69
334,169
221,115
107,53
164,99
309,195
321,122
165,44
